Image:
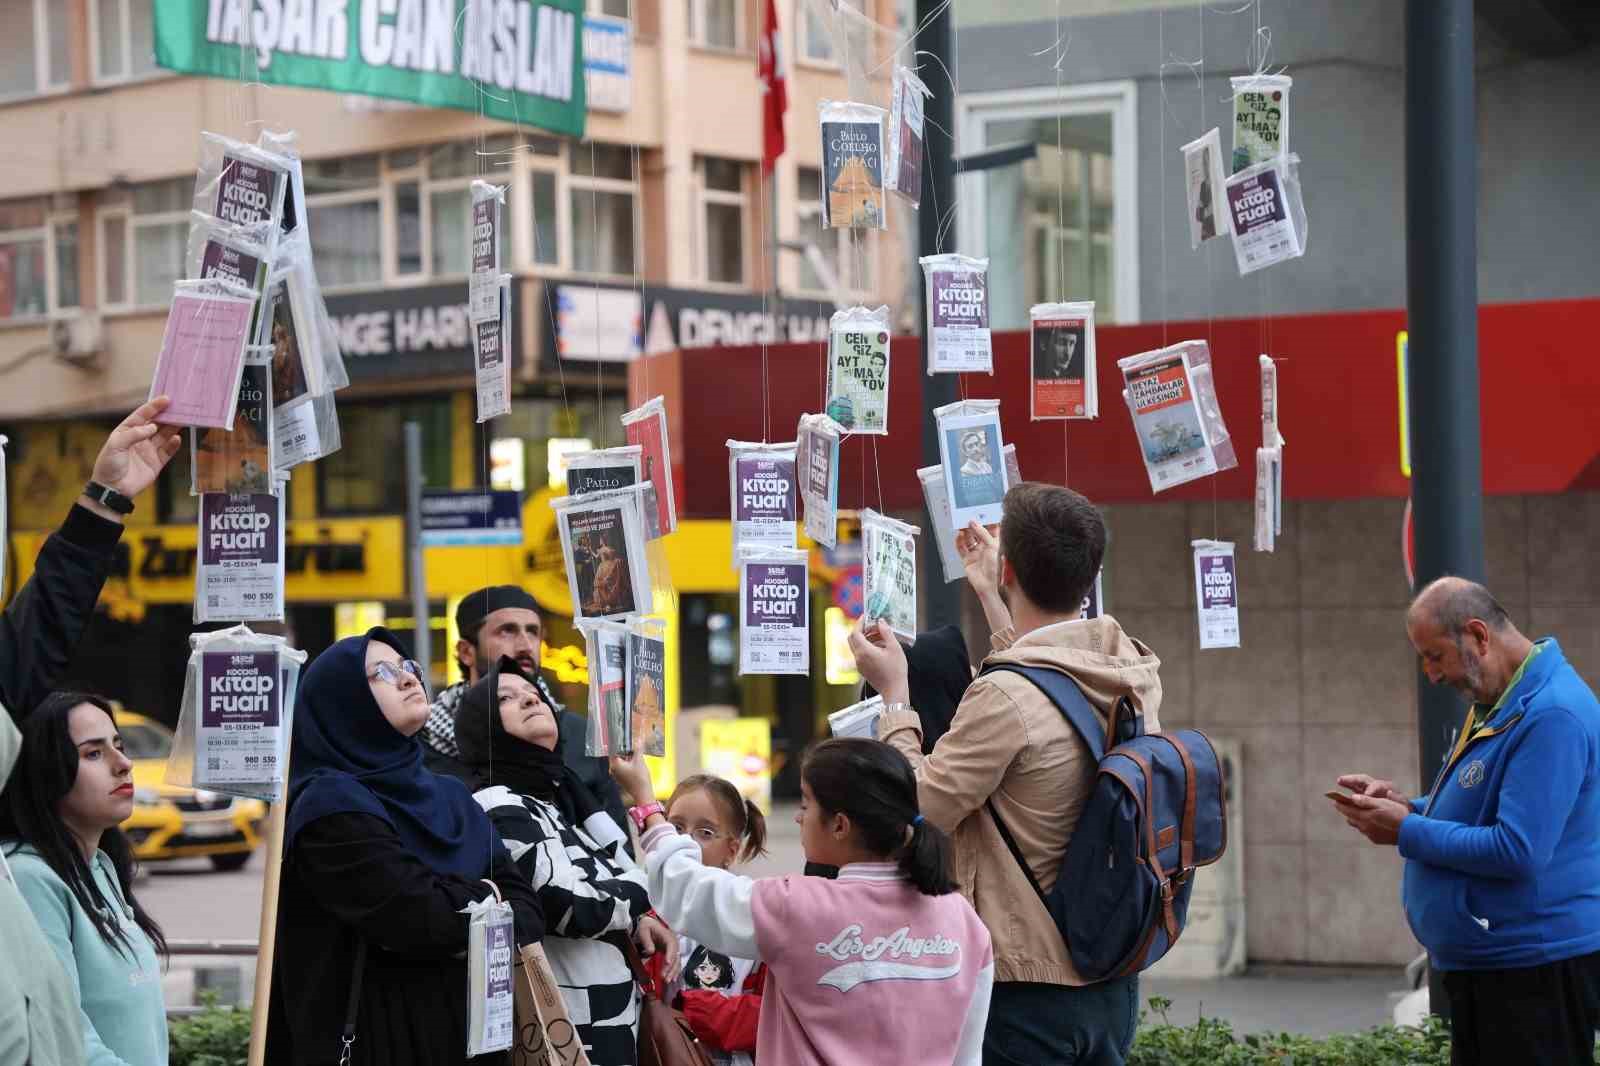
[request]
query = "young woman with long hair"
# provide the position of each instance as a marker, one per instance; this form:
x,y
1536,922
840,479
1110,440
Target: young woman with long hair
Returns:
x,y
58,829
888,955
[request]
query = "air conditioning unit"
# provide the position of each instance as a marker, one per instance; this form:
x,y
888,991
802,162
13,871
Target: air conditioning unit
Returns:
x,y
79,340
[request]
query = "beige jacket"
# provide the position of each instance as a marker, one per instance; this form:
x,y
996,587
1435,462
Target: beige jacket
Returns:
x,y
1009,743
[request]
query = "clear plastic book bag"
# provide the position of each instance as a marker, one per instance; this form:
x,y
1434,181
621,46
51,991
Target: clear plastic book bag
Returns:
x,y
1267,214
907,145
243,185
852,166
957,289
889,572
605,644
763,495
240,459
858,369
237,715
1172,399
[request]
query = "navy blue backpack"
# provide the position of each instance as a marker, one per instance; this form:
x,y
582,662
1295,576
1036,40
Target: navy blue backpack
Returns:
x,y
1156,813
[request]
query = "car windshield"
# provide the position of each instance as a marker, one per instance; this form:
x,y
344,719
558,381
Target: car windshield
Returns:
x,y
146,742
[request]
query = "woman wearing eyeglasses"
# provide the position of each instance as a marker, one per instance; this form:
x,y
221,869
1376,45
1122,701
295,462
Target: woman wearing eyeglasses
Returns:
x,y
593,895
380,858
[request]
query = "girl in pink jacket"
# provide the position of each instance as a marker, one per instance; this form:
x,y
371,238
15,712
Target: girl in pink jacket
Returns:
x,y
886,963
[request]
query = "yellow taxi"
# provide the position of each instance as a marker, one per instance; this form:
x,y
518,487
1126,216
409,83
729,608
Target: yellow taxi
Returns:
x,y
169,822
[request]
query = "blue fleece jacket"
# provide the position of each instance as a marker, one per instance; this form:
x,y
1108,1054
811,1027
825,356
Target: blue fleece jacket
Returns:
x,y
1503,861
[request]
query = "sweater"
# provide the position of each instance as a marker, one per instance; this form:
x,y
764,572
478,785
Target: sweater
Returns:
x,y
859,968
1008,743
1503,859
123,1018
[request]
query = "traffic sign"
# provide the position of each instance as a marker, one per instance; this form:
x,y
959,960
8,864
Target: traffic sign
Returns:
x,y
474,517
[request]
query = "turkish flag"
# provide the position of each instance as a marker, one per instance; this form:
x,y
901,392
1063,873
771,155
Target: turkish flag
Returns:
x,y
773,89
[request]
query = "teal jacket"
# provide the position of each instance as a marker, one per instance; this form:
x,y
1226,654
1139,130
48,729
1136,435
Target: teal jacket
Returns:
x,y
123,1017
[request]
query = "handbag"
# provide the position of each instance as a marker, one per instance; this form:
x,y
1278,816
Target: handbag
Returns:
x,y
545,1035
665,1038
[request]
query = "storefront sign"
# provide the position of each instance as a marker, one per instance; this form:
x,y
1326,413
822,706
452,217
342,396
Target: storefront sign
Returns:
x,y
609,322
453,518
608,62
516,60
397,334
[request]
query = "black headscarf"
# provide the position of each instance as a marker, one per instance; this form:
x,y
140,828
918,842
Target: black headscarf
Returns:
x,y
346,758
498,758
937,675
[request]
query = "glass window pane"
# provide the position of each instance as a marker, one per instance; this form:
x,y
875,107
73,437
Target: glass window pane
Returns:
x,y
108,15
546,244
811,232
602,161
56,26
818,40
22,280
113,259
723,175
720,23
157,197
619,8
448,223
21,214
602,232
545,146
724,243
67,264
350,174
345,242
18,74
363,477
408,228
158,253
464,159
141,38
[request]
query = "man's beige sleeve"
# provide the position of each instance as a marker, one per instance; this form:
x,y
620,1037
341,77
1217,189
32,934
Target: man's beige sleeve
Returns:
x,y
969,762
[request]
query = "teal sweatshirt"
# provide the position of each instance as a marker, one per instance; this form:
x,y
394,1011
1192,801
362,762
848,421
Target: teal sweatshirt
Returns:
x,y
123,1016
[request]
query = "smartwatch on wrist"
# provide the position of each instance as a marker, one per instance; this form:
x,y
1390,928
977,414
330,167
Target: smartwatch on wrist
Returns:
x,y
642,813
108,497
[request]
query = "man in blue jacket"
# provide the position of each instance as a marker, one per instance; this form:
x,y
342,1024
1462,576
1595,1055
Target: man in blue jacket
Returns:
x,y
1502,877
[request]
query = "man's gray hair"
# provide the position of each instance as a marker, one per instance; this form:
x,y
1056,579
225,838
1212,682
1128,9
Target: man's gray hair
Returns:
x,y
1451,602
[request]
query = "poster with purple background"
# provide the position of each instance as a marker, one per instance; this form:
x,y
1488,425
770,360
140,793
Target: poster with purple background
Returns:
x,y
240,575
764,501
1216,593
775,635
237,741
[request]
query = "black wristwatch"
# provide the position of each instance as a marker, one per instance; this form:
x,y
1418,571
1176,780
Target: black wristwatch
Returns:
x,y
111,498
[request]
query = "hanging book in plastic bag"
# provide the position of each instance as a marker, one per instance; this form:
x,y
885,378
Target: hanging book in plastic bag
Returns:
x,y
1203,182
202,353
852,166
220,251
239,460
937,496
483,280
1173,402
903,169
609,726
239,570
237,713
646,426
1268,215
775,612
602,540
307,430
492,356
243,185
817,458
491,947
1064,381
889,572
858,719
762,494
958,314
1260,118
1216,593
973,457
858,369
1013,466
647,687
1269,463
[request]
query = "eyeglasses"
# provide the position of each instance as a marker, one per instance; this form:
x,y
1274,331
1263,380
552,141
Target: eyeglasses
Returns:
x,y
392,672
704,834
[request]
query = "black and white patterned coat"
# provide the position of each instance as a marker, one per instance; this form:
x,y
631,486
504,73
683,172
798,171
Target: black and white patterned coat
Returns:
x,y
593,895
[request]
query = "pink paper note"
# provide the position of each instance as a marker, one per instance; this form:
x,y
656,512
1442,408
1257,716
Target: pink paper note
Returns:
x,y
202,356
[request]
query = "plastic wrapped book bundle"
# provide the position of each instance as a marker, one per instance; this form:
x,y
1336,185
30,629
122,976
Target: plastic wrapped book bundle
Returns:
x,y
972,455
1203,182
937,497
1063,381
202,352
483,279
239,571
609,569
646,426
236,716
817,441
1176,419
889,572
606,649
239,460
491,352
775,629
852,166
906,144
957,289
1260,118
858,369
246,186
1267,213
220,250
762,494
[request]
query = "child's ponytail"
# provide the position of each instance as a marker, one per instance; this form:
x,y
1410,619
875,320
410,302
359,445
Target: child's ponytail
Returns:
x,y
755,832
926,860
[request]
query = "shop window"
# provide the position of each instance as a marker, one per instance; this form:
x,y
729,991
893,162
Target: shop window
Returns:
x,y
367,475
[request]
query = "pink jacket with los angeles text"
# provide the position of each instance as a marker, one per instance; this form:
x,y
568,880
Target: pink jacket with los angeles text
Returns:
x,y
857,966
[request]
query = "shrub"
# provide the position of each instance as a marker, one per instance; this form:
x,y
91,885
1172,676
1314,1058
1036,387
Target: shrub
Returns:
x,y
1211,1042
217,1036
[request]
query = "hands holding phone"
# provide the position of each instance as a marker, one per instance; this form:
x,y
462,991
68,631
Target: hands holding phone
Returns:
x,y
1373,807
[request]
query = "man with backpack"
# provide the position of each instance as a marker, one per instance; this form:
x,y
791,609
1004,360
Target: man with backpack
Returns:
x,y
1012,763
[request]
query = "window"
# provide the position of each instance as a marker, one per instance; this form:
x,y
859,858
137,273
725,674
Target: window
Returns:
x,y
144,238
33,47
1073,209
619,8
816,37
603,194
344,202
721,184
38,260
715,23
450,170
847,254
365,476
123,39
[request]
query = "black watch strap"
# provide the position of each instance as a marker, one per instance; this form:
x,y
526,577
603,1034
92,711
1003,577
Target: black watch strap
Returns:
x,y
108,497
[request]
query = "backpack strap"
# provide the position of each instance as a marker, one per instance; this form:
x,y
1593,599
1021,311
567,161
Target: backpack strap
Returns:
x,y
1060,689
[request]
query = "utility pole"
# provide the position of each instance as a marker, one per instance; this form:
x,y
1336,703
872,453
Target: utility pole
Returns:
x,y
1442,312
943,601
417,570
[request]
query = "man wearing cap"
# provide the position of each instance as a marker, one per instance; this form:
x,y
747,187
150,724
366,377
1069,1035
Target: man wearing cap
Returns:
x,y
505,620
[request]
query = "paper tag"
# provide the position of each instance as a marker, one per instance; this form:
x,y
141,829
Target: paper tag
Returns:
x,y
297,438
1216,590
491,950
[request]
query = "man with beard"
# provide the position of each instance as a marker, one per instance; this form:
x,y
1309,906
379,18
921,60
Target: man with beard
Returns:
x,y
1502,875
505,620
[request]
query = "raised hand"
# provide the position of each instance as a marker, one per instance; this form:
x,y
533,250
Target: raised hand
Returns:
x,y
137,450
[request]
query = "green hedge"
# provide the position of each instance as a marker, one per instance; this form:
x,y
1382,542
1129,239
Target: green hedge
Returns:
x,y
217,1036
1210,1042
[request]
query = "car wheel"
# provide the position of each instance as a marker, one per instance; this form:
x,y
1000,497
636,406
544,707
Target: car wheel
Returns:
x,y
229,863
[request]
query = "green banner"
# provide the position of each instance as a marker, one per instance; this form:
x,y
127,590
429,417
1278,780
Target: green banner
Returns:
x,y
516,60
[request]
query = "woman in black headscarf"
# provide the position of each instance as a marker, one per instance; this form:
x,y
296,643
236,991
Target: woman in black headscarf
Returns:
x,y
381,855
566,845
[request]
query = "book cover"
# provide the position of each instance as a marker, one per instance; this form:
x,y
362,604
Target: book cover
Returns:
x,y
600,563
647,687
239,461
202,358
852,175
858,379
1060,366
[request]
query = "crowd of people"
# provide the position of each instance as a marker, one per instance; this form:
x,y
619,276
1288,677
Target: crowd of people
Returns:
x,y
915,933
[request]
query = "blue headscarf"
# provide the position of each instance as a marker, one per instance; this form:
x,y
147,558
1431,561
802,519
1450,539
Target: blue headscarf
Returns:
x,y
347,758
